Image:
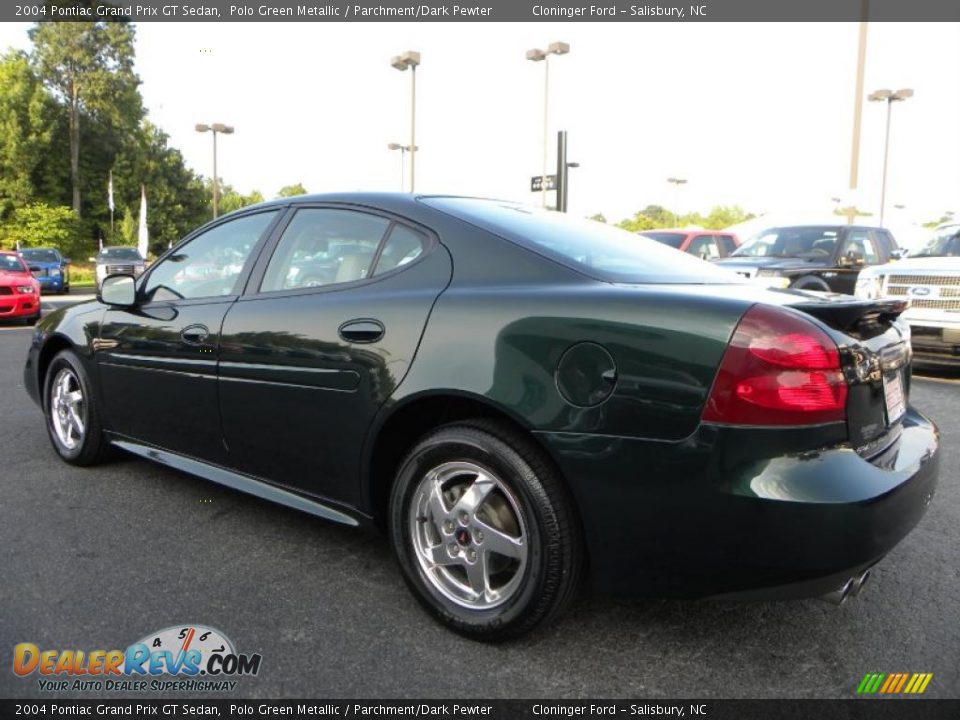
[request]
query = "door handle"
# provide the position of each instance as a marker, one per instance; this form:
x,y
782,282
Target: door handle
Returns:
x,y
362,331
194,334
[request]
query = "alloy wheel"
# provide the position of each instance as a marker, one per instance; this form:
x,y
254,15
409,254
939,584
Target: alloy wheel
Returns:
x,y
469,535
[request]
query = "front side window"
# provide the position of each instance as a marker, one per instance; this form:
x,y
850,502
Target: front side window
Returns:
x,y
324,246
859,245
211,264
704,246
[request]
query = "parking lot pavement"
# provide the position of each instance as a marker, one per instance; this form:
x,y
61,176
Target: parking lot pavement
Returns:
x,y
98,558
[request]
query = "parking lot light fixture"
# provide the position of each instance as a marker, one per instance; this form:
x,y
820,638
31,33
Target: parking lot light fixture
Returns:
x,y
410,59
223,130
404,149
676,182
537,55
889,97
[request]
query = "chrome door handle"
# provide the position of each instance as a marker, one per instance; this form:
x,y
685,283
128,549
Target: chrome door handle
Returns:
x,y
362,331
194,334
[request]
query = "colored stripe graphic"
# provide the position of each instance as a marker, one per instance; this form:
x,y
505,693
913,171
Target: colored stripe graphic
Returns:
x,y
894,683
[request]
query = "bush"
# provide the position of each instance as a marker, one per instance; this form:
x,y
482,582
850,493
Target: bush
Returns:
x,y
42,225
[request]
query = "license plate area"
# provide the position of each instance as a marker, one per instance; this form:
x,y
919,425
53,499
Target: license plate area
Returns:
x,y
893,396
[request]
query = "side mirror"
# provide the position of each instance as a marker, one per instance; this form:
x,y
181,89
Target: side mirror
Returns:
x,y
899,253
118,291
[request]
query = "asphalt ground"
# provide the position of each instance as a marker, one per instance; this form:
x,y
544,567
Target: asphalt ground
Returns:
x,y
99,558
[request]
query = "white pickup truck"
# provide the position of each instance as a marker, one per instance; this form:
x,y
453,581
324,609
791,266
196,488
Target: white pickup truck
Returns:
x,y
930,280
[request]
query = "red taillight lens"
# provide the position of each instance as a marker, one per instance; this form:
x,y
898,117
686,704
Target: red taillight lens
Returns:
x,y
779,369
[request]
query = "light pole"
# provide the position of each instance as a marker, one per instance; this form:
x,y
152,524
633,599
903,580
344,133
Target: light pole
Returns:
x,y
225,130
536,55
404,149
410,59
676,182
890,98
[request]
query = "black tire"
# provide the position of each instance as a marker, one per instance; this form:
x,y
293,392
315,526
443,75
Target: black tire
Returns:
x,y
810,282
554,556
92,447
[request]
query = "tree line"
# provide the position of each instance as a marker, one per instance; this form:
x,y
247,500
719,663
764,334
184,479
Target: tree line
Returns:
x,y
71,115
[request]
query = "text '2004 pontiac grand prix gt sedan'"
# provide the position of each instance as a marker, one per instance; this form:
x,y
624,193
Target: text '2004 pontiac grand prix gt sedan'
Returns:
x,y
526,402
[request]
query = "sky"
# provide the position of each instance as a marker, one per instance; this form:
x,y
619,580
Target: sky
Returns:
x,y
757,115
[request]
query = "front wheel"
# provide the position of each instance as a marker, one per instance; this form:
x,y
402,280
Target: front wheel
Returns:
x,y
484,531
72,412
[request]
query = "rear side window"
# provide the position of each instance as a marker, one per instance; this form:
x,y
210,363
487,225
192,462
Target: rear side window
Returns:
x,y
403,246
592,248
670,239
324,246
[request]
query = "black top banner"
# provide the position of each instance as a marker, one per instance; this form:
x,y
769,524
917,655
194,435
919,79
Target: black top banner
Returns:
x,y
486,11
491,709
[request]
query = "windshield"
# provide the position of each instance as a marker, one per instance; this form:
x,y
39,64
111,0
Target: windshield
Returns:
x,y
670,239
797,242
944,243
119,253
38,255
596,249
11,263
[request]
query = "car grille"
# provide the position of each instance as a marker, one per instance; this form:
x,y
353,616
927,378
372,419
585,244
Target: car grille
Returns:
x,y
6,291
119,269
942,291
40,273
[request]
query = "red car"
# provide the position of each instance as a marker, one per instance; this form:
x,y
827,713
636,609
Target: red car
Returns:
x,y
19,290
705,244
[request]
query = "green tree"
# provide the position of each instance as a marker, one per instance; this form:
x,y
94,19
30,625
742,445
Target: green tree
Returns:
x,y
292,190
177,201
27,116
88,67
598,217
41,225
231,200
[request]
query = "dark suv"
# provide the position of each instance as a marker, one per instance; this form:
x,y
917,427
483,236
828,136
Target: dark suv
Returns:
x,y
813,257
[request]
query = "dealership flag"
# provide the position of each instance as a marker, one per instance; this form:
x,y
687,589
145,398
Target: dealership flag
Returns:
x,y
110,192
142,235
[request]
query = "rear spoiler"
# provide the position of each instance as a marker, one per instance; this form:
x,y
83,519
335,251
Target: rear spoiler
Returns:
x,y
846,316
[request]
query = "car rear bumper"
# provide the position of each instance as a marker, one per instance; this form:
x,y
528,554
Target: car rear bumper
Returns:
x,y
726,512
19,305
934,344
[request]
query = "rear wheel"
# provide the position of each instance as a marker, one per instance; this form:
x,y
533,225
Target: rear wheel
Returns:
x,y
484,531
72,412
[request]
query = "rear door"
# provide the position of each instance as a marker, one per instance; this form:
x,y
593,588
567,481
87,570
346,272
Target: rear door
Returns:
x,y
328,328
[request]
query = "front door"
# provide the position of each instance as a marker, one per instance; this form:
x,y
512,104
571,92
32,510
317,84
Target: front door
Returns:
x,y
158,360
308,358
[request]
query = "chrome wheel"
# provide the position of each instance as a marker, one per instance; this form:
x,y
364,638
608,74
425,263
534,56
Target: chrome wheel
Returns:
x,y
67,408
469,535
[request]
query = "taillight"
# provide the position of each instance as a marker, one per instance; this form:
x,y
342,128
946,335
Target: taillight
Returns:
x,y
779,369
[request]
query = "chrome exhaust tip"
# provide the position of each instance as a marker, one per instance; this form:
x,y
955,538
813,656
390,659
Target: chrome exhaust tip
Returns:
x,y
859,583
838,596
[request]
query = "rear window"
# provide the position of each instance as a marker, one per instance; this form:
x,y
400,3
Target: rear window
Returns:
x,y
596,249
674,240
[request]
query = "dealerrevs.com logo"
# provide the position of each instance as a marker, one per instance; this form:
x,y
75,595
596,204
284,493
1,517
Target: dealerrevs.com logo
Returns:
x,y
187,658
